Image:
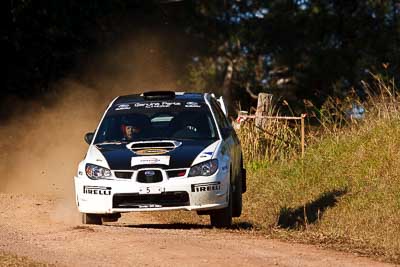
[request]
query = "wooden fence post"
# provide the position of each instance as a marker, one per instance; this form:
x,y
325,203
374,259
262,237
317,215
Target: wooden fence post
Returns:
x,y
302,135
264,108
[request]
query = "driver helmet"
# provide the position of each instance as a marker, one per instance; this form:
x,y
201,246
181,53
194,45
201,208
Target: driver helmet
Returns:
x,y
130,129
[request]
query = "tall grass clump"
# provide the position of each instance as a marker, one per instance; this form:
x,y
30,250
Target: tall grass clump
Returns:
x,y
277,140
345,192
269,140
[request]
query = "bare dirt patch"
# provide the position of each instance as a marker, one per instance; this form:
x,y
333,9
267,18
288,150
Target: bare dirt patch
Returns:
x,y
29,228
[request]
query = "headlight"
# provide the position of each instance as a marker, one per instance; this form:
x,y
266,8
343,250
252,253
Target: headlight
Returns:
x,y
96,172
205,168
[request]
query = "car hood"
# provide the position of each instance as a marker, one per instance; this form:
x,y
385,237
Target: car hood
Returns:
x,y
119,156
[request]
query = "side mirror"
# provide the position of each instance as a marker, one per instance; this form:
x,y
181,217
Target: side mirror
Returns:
x,y
89,138
225,132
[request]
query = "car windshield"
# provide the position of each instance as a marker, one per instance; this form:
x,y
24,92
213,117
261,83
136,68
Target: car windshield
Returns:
x,y
157,120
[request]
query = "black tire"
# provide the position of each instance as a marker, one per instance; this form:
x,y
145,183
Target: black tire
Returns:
x,y
237,197
222,218
244,180
113,217
88,218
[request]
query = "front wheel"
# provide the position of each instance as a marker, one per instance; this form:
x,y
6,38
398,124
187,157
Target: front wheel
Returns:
x,y
222,218
89,218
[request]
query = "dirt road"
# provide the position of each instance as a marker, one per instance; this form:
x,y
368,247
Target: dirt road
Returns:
x,y
45,229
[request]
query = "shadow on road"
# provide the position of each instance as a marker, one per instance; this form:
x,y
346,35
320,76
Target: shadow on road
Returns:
x,y
310,213
188,226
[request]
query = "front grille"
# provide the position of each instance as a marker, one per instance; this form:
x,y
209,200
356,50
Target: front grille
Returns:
x,y
123,175
158,166
149,176
165,199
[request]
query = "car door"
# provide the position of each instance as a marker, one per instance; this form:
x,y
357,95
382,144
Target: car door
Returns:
x,y
230,140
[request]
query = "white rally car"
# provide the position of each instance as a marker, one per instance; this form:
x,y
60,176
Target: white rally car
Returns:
x,y
162,151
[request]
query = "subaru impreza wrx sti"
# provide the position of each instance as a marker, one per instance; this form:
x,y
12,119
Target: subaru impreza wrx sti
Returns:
x,y
161,151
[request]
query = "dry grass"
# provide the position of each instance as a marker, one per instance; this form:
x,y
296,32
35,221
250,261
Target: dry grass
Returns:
x,y
278,140
11,261
345,193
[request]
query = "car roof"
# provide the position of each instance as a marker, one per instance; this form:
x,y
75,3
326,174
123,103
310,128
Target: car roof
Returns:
x,y
180,96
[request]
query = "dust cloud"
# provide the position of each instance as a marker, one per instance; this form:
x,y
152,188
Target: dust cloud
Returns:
x,y
41,147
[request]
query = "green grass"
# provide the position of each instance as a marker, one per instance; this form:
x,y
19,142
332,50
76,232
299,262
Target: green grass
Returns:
x,y
346,192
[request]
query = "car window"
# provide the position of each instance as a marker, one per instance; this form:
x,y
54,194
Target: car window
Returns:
x,y
222,121
155,120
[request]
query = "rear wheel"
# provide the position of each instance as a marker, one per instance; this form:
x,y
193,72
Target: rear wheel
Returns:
x,y
89,218
222,218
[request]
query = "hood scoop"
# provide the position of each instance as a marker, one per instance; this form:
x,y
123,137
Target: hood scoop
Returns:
x,y
153,147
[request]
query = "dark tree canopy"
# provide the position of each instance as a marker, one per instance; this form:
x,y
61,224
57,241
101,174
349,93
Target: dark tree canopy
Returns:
x,y
44,39
297,49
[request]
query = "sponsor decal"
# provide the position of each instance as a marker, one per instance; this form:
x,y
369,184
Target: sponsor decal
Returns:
x,y
146,206
151,151
157,104
147,160
206,187
192,105
123,107
206,155
97,190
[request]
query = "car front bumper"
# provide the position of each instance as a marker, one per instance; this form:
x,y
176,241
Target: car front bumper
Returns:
x,y
187,193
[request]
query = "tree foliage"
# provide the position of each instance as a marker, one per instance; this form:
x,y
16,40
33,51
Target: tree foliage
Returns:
x,y
296,48
44,40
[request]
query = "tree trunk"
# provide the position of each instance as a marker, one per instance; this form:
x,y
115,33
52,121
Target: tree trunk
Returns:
x,y
248,90
226,87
